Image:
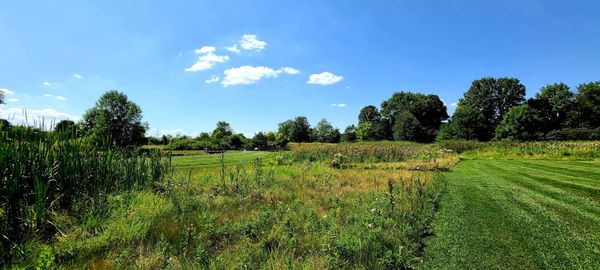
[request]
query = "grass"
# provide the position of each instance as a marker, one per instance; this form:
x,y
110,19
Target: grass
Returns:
x,y
527,214
259,213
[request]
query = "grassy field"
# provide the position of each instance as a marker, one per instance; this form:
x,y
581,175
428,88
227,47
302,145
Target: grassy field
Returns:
x,y
507,214
253,210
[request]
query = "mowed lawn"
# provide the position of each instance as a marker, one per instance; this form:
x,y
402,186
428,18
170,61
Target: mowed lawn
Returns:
x,y
199,159
507,214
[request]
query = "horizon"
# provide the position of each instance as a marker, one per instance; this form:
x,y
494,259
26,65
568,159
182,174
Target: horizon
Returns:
x,y
189,65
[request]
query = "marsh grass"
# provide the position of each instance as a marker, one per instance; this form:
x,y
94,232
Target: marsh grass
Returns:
x,y
46,175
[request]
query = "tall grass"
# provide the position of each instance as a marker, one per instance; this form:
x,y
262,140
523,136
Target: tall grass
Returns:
x,y
42,172
362,152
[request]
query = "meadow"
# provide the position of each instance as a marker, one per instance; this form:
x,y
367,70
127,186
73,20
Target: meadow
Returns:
x,y
371,205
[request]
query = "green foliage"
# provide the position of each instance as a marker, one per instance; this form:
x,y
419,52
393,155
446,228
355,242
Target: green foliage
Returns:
x,y
588,104
481,109
370,114
428,110
520,123
349,134
554,105
366,132
5,125
45,172
114,120
296,130
326,133
222,130
407,127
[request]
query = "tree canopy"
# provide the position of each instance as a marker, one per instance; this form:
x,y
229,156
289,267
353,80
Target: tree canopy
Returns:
x,y
115,120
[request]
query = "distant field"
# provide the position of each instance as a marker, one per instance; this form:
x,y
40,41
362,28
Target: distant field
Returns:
x,y
530,214
199,159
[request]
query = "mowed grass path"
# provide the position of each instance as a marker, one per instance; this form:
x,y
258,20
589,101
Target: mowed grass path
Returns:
x,y
507,214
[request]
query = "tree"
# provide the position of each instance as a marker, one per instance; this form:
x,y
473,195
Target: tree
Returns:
x,y
554,104
114,120
65,126
260,141
520,123
164,140
407,127
365,132
588,104
428,110
2,97
222,130
489,99
369,114
296,130
349,134
325,132
236,141
468,123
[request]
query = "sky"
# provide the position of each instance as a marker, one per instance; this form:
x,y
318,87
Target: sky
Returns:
x,y
189,64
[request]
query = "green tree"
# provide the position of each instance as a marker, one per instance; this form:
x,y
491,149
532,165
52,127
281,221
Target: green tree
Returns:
x,y
519,123
222,131
5,125
490,99
349,134
369,113
366,132
407,127
114,120
468,123
325,132
65,126
588,104
554,105
296,130
429,110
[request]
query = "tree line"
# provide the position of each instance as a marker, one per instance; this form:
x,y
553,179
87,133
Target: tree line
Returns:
x,y
491,109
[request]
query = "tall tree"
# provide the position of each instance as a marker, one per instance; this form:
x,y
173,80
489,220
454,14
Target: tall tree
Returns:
x,y
325,132
349,134
222,130
65,126
366,132
588,103
553,104
369,113
428,110
115,120
489,99
296,130
520,123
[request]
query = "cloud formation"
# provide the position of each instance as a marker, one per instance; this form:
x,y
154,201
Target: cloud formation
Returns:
x,y
213,79
19,115
324,78
207,60
234,49
248,74
250,42
77,76
60,98
12,100
341,105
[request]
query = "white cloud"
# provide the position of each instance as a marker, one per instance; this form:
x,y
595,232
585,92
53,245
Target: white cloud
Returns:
x,y
325,78
341,105
250,42
48,95
34,117
247,75
288,70
205,49
213,79
60,98
207,60
6,91
47,83
454,104
12,99
77,76
234,49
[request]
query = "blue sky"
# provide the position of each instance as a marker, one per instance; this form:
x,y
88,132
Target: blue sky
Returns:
x,y
272,60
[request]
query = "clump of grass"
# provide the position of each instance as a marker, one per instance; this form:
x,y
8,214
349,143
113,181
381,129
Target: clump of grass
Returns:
x,y
45,172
